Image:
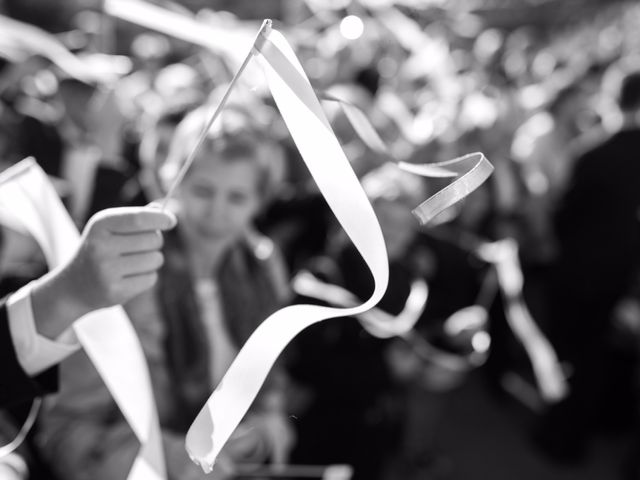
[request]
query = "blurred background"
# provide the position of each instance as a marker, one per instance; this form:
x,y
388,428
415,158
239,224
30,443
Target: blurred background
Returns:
x,y
537,86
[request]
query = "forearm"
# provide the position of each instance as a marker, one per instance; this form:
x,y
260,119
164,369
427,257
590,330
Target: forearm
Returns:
x,y
55,304
34,351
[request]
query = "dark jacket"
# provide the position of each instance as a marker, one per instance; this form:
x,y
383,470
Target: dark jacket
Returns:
x,y
16,386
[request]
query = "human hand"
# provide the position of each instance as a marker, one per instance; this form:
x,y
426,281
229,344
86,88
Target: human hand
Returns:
x,y
118,258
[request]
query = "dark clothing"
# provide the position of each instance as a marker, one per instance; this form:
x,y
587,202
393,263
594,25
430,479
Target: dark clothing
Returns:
x,y
597,226
357,411
598,230
597,223
352,415
250,290
16,386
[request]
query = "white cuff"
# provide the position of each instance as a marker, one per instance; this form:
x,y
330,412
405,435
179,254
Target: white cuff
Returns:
x,y
35,353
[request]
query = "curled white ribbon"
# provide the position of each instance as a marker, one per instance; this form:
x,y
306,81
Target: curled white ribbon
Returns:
x,y
469,171
375,321
321,151
331,170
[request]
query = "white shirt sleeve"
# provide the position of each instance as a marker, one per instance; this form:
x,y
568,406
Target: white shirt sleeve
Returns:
x,y
35,352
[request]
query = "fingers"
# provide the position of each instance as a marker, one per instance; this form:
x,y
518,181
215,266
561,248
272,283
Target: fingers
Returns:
x,y
128,220
137,264
127,244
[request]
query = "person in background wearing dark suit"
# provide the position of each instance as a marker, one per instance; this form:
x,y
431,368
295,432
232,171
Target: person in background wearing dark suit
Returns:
x,y
117,259
598,233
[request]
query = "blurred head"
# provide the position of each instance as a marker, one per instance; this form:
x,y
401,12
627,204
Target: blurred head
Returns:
x,y
230,179
621,83
569,106
629,94
394,193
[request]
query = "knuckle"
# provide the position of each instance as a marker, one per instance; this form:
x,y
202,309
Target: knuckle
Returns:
x,y
97,247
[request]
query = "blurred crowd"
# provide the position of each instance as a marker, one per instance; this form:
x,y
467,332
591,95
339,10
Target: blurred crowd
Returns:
x,y
111,110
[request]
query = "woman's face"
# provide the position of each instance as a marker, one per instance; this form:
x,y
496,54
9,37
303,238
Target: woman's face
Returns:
x,y
219,198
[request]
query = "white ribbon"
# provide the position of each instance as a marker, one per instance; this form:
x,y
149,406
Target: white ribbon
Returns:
x,y
367,133
225,42
106,335
470,171
375,321
330,168
23,39
321,151
546,367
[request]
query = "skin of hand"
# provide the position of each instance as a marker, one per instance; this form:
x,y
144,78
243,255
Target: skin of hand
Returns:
x,y
118,258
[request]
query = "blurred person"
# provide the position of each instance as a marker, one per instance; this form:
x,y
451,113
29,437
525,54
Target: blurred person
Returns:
x,y
598,233
354,398
543,144
92,126
219,281
37,114
626,325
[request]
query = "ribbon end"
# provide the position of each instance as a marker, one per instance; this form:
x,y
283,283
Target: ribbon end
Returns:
x,y
199,442
263,33
205,466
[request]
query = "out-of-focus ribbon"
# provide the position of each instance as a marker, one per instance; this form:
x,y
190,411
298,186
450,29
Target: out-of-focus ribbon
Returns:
x,y
383,325
321,151
550,379
375,321
20,40
21,436
106,335
367,133
470,171
225,42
